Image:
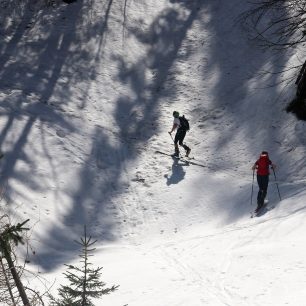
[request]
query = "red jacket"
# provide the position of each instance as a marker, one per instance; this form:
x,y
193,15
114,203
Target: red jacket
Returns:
x,y
262,165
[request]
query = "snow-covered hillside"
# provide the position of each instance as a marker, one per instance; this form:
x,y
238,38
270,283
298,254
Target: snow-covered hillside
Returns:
x,y
87,92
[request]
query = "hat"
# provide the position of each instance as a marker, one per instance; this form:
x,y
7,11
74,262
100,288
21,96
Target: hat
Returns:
x,y
176,114
264,153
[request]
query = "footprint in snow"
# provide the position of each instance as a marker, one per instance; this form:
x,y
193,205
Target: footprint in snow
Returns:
x,y
61,133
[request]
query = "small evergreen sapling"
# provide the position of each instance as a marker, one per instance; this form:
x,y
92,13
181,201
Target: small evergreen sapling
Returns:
x,y
85,283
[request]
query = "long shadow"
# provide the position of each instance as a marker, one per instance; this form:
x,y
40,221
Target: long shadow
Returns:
x,y
100,30
92,200
95,196
8,50
40,67
29,72
163,39
48,69
232,89
237,61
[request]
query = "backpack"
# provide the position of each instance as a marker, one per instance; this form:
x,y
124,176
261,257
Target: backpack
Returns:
x,y
263,164
184,123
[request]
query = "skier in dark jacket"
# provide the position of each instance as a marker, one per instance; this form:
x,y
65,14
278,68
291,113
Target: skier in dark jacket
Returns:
x,y
180,134
262,166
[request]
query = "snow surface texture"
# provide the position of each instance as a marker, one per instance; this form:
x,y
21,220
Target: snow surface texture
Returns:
x,y
87,93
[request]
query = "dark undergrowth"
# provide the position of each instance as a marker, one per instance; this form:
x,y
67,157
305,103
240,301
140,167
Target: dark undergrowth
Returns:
x,y
298,107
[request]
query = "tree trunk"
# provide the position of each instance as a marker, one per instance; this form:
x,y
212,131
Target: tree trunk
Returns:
x,y
19,285
7,282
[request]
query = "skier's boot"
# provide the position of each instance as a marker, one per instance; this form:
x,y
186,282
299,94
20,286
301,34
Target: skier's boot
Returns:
x,y
177,152
259,207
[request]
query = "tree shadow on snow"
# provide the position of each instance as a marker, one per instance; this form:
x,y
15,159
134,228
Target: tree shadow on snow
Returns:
x,y
244,100
38,77
102,178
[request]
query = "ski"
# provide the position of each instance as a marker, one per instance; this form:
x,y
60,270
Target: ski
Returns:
x,y
263,210
257,213
181,157
185,159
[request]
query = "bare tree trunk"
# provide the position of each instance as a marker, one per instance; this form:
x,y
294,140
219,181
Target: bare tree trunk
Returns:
x,y
19,285
7,282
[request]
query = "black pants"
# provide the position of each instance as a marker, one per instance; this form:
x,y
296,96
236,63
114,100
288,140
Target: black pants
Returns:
x,y
263,182
179,138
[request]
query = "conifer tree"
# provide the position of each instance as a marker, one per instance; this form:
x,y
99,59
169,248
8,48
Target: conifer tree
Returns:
x,y
85,283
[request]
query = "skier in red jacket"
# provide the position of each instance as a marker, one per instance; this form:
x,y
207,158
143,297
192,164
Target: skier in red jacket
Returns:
x,y
262,166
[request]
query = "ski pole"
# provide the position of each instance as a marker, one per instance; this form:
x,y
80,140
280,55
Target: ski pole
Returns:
x,y
276,185
252,186
171,136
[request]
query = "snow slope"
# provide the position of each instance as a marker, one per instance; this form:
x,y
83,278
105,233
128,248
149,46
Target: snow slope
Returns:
x,y
87,93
